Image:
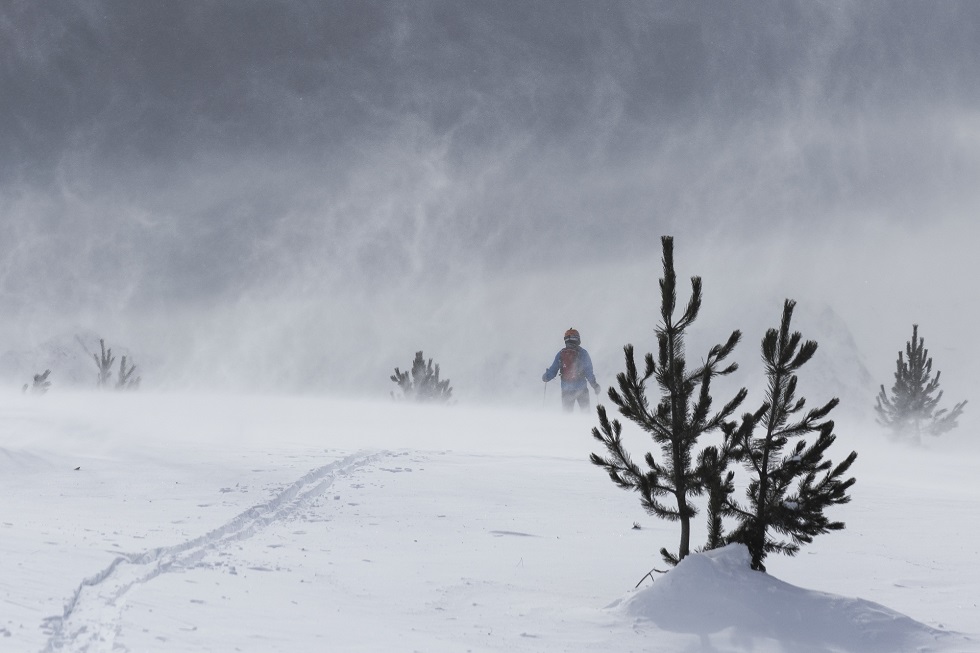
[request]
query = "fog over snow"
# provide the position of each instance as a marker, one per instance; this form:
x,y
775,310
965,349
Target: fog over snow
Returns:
x,y
291,198
286,196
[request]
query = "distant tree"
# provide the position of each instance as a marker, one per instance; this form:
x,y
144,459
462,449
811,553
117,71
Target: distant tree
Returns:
x,y
911,410
422,384
787,492
681,416
126,380
41,383
104,363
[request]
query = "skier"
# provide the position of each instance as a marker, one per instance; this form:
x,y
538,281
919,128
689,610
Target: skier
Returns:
x,y
575,366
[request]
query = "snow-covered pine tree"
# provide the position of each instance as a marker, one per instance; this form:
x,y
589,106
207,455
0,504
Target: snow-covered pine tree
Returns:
x,y
423,383
787,492
681,416
911,411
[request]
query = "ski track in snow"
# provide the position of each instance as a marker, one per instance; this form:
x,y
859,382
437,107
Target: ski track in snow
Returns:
x,y
92,614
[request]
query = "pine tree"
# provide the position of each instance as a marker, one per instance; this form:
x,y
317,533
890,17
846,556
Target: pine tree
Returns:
x,y
911,411
681,417
787,492
104,364
423,384
41,383
126,380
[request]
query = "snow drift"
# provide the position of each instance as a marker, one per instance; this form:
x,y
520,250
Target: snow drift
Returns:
x,y
717,596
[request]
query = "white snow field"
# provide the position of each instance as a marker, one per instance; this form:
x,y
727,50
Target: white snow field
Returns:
x,y
176,523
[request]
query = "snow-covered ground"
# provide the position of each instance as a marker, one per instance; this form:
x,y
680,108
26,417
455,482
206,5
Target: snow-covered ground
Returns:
x,y
145,522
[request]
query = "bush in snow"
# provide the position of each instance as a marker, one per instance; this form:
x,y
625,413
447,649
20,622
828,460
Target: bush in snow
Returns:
x,y
911,411
787,492
422,383
679,419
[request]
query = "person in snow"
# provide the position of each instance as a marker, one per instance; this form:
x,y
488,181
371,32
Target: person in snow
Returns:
x,y
575,367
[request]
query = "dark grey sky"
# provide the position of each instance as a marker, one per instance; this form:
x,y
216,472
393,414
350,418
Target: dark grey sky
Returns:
x,y
188,155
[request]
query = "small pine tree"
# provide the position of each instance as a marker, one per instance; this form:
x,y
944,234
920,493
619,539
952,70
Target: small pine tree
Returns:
x,y
126,380
41,383
423,383
104,363
681,417
911,411
785,495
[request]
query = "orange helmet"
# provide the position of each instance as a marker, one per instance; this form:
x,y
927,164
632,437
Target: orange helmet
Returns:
x,y
572,337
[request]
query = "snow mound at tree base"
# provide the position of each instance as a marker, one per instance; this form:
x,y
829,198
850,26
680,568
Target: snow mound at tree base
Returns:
x,y
718,597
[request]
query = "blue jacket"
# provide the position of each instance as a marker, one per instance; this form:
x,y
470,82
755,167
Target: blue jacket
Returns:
x,y
585,368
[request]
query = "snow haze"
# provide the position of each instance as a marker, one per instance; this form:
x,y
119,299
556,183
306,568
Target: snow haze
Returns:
x,y
285,197
268,206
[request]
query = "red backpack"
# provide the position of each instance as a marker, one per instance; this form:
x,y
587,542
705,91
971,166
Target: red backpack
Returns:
x,y
569,364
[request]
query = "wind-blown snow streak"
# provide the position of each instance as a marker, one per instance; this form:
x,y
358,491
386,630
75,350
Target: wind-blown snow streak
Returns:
x,y
90,618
